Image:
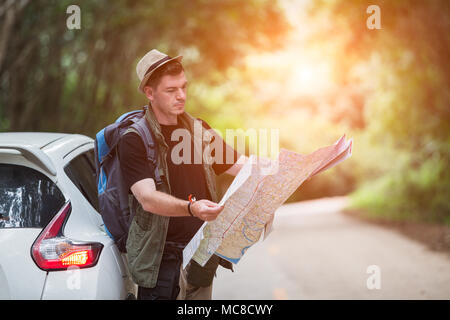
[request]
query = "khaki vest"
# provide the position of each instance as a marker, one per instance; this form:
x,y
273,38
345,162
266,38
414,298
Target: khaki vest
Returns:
x,y
148,231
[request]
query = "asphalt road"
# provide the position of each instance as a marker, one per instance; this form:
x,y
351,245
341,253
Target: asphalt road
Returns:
x,y
316,252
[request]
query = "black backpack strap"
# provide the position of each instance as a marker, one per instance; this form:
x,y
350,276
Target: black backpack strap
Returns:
x,y
147,137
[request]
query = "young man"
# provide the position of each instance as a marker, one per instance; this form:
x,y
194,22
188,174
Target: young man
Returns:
x,y
165,220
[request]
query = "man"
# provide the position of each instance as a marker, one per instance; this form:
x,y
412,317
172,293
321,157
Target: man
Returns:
x,y
165,218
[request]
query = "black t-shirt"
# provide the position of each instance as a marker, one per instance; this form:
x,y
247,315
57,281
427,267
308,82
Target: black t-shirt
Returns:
x,y
184,178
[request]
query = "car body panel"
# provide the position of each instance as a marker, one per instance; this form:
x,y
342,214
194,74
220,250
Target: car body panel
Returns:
x,y
104,281
17,266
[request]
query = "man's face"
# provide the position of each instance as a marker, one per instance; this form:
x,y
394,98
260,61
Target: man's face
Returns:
x,y
169,96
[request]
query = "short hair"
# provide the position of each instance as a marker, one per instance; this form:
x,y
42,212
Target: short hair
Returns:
x,y
172,68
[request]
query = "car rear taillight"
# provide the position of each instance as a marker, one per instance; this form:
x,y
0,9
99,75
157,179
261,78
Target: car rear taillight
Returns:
x,y
53,251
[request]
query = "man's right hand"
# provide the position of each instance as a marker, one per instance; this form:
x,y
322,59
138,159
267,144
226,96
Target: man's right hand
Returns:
x,y
206,210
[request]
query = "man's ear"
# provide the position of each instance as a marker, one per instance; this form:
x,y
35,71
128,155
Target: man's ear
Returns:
x,y
148,91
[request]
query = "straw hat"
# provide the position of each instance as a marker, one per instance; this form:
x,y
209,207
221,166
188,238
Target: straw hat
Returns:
x,y
149,63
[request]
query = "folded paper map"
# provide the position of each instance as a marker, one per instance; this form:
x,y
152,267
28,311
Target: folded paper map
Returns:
x,y
260,187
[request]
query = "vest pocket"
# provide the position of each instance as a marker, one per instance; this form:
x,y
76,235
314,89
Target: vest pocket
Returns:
x,y
144,219
134,240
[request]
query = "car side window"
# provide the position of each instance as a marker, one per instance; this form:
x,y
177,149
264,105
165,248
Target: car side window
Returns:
x,y
28,198
81,171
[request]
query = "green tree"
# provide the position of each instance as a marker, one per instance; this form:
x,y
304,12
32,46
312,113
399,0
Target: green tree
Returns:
x,y
55,79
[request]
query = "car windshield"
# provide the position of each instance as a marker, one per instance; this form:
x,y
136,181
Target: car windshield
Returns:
x,y
28,198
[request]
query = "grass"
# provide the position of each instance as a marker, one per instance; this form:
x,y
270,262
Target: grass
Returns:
x,y
385,199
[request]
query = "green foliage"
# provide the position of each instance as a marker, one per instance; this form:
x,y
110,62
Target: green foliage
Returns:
x,y
56,79
404,153
394,83
419,194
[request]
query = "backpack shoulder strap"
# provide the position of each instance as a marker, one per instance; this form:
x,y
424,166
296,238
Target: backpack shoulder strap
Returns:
x,y
140,127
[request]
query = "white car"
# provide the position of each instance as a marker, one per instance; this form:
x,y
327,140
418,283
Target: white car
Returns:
x,y
52,239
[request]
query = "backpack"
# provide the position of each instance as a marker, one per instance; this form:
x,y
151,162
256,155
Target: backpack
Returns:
x,y
112,193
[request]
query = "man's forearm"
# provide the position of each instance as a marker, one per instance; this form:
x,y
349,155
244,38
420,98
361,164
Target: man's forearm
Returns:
x,y
164,204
